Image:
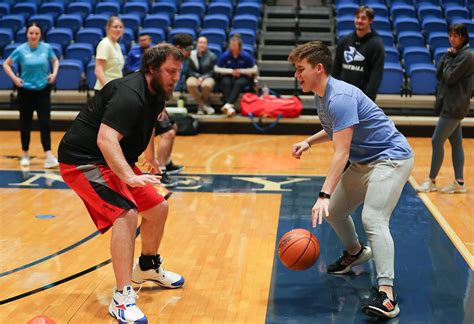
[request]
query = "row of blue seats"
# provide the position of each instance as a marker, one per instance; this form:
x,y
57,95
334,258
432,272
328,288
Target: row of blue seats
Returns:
x,y
175,2
420,78
415,3
84,9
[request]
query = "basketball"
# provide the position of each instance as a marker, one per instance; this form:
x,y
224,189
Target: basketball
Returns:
x,y
298,249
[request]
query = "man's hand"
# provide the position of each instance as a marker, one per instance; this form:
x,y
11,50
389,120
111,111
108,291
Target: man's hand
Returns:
x,y
236,73
320,209
142,180
298,149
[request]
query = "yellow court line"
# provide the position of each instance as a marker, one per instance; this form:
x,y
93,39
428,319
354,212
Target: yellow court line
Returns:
x,y
450,232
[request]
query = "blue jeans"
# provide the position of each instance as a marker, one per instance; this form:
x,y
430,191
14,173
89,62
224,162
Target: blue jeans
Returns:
x,y
447,128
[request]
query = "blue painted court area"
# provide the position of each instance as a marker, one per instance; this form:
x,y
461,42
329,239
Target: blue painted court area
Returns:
x,y
433,282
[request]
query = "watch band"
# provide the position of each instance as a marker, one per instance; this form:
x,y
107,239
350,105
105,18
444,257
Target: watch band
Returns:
x,y
322,194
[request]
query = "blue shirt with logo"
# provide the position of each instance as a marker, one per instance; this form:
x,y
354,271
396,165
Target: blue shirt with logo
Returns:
x,y
34,64
375,137
243,61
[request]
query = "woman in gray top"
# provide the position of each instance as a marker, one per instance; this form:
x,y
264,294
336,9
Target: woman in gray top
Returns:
x,y
454,73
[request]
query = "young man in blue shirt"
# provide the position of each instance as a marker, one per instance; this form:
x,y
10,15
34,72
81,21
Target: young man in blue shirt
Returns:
x,y
134,57
381,162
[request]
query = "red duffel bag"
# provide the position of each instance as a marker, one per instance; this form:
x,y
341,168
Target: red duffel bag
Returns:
x,y
270,106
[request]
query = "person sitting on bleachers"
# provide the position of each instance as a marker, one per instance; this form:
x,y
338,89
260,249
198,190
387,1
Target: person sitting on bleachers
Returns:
x,y
237,69
200,75
134,57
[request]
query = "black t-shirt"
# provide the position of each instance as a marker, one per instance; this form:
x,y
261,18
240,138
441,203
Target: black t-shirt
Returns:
x,y
125,105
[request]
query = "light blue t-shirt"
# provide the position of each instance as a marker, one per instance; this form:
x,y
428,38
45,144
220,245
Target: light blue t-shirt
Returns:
x,y
34,64
375,137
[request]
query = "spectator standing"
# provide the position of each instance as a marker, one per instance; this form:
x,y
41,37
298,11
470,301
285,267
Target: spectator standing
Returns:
x,y
109,58
200,75
134,57
237,70
454,74
34,89
360,55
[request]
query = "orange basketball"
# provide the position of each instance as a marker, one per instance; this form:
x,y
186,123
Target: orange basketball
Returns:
x,y
298,249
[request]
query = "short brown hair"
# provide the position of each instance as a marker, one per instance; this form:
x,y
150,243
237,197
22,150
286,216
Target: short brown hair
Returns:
x,y
314,52
156,55
460,30
367,10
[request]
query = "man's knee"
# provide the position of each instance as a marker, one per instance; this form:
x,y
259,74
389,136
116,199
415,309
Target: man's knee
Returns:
x,y
191,82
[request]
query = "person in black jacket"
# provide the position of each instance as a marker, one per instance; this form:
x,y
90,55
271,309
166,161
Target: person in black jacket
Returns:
x,y
454,74
360,55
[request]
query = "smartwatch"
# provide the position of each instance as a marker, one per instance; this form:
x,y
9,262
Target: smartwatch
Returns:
x,y
322,194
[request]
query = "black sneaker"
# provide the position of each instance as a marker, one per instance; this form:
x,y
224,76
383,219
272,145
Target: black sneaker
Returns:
x,y
381,306
172,168
346,261
168,182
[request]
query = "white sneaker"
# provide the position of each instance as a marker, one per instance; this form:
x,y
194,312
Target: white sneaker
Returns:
x,y
455,187
208,110
200,110
427,186
228,109
124,308
160,277
25,161
50,163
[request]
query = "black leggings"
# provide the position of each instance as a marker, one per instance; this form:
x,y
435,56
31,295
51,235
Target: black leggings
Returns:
x,y
233,87
28,101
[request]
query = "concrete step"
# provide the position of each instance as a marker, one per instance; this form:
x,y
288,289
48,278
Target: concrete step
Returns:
x,y
274,52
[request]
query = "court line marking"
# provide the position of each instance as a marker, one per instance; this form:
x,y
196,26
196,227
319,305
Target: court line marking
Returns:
x,y
450,232
70,247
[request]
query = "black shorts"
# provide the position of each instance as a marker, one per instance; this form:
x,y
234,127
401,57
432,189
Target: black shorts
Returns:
x,y
162,126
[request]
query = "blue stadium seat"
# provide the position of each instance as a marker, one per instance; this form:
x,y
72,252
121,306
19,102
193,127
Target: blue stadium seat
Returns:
x,y
140,8
346,22
4,8
81,8
57,49
175,31
387,37
347,9
108,8
194,8
245,21
416,55
132,21
380,10
402,10
248,48
409,39
70,21
14,22
215,48
446,3
214,35
90,35
5,82
186,21
402,24
422,79
161,21
438,39
168,8
96,21
392,81
7,51
62,36
468,23
439,53
429,10
90,75
248,36
80,51
20,36
248,8
46,21
26,9
6,37
408,2
224,8
380,23
69,75
53,8
157,35
216,21
433,24
127,38
342,33
391,55
453,12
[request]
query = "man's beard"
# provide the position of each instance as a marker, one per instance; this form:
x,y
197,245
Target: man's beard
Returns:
x,y
158,88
